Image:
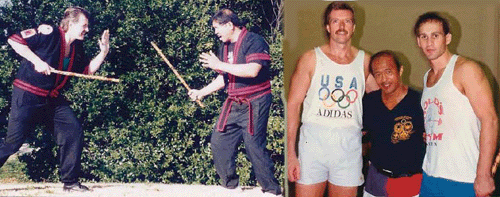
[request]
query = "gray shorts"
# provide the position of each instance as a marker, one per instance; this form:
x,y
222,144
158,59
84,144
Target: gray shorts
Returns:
x,y
330,154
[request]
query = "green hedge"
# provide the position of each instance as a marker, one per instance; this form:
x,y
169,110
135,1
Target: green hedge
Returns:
x,y
145,128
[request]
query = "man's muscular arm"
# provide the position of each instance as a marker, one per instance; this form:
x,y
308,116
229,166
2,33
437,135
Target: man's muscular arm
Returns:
x,y
471,81
299,84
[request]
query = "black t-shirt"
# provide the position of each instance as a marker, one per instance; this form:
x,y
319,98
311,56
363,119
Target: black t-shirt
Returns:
x,y
396,135
249,47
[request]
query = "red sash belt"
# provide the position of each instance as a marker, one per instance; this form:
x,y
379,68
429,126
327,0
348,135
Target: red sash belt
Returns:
x,y
242,95
35,90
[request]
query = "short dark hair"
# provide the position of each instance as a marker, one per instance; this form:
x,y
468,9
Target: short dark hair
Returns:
x,y
336,5
385,53
226,15
431,16
72,14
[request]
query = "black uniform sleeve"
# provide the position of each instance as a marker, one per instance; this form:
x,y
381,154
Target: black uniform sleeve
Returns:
x,y
33,38
258,51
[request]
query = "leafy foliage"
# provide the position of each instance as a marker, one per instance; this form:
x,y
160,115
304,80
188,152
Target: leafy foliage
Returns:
x,y
145,128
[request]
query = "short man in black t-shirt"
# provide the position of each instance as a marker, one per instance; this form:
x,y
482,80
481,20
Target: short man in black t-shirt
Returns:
x,y
393,119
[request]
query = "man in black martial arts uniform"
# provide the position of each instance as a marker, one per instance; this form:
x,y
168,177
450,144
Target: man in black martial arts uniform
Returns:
x,y
243,65
36,97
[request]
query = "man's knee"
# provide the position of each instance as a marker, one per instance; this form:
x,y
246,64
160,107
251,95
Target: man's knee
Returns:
x,y
336,190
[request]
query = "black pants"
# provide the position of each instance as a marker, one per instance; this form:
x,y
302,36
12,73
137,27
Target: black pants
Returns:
x,y
225,144
27,111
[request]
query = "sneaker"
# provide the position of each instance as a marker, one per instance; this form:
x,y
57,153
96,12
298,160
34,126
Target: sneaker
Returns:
x,y
75,187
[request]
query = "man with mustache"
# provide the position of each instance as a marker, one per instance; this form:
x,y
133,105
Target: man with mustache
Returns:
x,y
394,121
460,118
36,95
330,82
243,65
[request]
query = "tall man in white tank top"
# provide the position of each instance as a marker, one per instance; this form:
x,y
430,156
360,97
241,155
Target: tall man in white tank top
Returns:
x,y
330,81
459,117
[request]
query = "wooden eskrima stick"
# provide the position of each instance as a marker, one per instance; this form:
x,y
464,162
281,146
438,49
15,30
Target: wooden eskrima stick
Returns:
x,y
85,76
175,71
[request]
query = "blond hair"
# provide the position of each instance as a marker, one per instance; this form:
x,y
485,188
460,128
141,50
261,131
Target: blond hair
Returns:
x,y
72,14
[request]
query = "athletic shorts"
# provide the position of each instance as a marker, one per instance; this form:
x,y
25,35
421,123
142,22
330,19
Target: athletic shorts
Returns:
x,y
326,154
433,186
378,184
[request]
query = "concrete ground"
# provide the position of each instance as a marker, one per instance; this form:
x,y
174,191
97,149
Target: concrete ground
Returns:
x,y
127,190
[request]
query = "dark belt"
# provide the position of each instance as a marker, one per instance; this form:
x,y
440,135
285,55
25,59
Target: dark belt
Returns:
x,y
391,174
242,95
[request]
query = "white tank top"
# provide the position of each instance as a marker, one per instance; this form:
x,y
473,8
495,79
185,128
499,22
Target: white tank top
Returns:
x,y
334,96
452,130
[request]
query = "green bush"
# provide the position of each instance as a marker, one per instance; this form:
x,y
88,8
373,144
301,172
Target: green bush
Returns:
x,y
145,128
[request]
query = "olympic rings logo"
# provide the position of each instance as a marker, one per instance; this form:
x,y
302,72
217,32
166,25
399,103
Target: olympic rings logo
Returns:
x,y
402,131
337,96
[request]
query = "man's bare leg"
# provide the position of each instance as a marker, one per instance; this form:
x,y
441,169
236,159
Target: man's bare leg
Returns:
x,y
314,190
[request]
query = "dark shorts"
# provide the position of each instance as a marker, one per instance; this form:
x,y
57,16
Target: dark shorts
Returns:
x,y
378,184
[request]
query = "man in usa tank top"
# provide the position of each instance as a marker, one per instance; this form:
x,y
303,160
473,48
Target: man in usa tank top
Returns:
x,y
329,81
